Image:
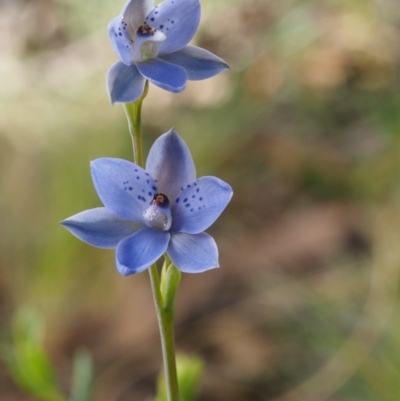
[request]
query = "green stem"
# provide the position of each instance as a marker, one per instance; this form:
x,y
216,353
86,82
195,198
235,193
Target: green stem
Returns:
x,y
133,113
165,313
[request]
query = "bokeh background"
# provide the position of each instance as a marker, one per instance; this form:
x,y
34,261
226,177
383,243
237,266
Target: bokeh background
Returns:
x,y
306,128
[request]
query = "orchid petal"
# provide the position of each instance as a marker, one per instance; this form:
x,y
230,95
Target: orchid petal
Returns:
x,y
178,19
120,39
193,253
100,227
171,164
135,12
199,204
167,76
124,83
123,187
198,63
139,251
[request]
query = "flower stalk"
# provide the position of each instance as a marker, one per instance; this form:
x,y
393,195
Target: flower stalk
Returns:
x,y
164,303
166,315
133,113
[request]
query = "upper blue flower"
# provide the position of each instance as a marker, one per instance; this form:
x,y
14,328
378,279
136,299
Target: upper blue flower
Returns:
x,y
152,44
153,211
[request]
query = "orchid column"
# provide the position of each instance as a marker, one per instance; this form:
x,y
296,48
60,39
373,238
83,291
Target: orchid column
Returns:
x,y
161,210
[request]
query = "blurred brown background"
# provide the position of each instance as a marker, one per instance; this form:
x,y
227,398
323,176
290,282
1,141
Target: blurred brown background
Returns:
x,y
305,127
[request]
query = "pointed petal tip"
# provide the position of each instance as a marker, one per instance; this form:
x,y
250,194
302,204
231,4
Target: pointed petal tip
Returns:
x,y
68,223
172,132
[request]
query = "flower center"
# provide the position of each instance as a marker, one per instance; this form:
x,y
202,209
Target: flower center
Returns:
x,y
158,214
147,44
146,30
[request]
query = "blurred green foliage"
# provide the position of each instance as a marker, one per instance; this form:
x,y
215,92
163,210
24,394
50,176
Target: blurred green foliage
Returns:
x,y
190,369
31,367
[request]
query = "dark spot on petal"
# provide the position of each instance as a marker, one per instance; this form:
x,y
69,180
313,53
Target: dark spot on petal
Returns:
x,y
130,188
200,198
137,177
177,200
161,26
150,193
172,21
152,19
191,210
187,205
185,200
155,189
148,181
120,34
193,196
198,190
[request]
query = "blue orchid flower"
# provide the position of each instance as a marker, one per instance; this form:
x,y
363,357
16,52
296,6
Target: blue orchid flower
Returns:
x,y
151,43
149,212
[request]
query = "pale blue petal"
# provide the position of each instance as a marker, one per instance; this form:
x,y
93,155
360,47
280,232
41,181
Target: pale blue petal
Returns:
x,y
193,253
198,63
178,19
139,251
123,187
171,164
120,39
124,83
199,204
100,227
135,12
167,76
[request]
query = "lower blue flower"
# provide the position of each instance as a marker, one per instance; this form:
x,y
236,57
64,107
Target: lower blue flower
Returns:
x,y
152,211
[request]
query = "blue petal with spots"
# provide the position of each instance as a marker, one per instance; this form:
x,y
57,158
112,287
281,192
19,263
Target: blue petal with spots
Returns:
x,y
178,19
123,187
120,39
199,204
160,164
